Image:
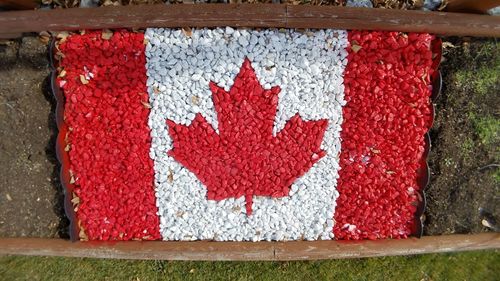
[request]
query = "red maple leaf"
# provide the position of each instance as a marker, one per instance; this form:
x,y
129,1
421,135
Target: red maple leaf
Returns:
x,y
245,159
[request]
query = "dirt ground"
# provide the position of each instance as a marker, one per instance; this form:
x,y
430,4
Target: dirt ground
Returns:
x,y
30,196
464,188
465,155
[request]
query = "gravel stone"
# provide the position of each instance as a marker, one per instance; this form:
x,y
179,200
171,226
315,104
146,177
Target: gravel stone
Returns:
x,y
307,65
359,3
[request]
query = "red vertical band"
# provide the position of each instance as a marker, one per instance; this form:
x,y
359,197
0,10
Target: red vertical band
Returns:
x,y
106,109
385,120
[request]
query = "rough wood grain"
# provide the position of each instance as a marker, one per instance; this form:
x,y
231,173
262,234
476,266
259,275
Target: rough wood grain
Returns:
x,y
410,246
203,250
393,20
250,15
140,16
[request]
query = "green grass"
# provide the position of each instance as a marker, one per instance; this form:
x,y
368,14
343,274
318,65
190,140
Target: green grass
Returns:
x,y
479,265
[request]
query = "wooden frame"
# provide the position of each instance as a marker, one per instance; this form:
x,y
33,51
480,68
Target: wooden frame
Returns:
x,y
203,250
250,15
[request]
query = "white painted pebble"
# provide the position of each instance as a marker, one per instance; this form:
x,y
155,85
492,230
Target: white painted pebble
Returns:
x,y
308,66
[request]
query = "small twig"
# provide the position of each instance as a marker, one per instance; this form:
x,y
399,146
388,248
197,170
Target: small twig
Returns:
x,y
9,105
489,166
13,108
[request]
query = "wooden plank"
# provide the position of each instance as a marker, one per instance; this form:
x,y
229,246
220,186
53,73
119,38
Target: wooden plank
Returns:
x,y
203,250
468,6
410,246
250,15
140,16
393,20
143,250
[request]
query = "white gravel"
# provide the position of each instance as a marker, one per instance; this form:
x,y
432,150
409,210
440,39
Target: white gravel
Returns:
x,y
308,66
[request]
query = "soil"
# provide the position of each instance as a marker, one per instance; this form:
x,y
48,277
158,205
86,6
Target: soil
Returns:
x,y
465,155
30,194
464,159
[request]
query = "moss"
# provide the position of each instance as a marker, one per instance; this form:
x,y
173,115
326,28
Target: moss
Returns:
x,y
482,77
488,129
487,78
480,81
461,77
467,147
496,176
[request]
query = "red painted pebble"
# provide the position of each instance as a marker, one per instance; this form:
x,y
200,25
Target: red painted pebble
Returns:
x,y
105,89
385,119
245,159
384,122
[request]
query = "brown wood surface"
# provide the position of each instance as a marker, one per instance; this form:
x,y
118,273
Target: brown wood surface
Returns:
x,y
471,6
203,250
249,15
396,20
410,246
140,16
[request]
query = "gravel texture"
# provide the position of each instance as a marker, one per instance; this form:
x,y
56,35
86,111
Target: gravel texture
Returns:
x,y
108,140
308,66
359,3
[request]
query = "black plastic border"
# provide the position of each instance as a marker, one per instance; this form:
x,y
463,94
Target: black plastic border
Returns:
x,y
424,173
62,155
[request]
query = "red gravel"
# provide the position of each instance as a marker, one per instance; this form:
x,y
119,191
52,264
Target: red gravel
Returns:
x,y
245,159
106,98
386,117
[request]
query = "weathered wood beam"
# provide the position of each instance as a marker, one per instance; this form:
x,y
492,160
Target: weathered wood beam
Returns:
x,y
393,20
204,250
250,15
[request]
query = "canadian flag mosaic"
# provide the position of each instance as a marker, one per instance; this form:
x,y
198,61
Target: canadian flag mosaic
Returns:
x,y
245,135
